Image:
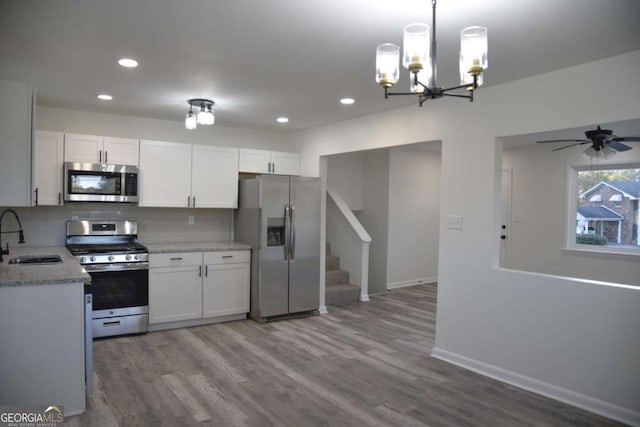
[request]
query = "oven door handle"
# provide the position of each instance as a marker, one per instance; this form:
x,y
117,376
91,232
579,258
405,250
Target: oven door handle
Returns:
x,y
121,266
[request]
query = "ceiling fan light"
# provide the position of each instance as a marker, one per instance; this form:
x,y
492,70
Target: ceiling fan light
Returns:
x,y
473,54
416,45
603,153
387,68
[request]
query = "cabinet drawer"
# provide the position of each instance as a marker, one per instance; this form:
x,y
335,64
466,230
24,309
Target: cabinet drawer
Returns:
x,y
227,257
175,259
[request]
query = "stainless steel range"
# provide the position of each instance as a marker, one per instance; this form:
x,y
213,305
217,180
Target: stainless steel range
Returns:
x,y
119,267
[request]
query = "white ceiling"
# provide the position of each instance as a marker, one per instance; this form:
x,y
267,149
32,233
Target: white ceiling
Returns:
x,y
260,59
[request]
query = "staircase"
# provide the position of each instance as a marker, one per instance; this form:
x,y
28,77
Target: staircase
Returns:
x,y
338,290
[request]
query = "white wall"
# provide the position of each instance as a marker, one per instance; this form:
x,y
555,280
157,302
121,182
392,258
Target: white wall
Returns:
x,y
344,175
88,122
537,229
571,339
375,215
414,215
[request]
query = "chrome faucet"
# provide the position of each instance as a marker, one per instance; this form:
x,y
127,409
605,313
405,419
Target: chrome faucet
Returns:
x,y
19,231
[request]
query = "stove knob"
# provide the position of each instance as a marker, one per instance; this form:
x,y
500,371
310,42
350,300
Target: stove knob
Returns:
x,y
128,257
92,258
111,258
83,260
135,257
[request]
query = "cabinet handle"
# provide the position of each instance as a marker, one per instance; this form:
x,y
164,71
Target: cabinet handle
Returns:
x,y
200,271
194,201
113,323
100,156
60,198
206,271
188,201
106,153
273,167
36,191
176,259
227,256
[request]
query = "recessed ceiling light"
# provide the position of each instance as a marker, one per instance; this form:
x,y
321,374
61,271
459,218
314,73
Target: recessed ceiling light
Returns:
x,y
128,62
105,97
282,120
347,101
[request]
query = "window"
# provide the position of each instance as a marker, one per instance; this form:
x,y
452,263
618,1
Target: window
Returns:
x,y
603,205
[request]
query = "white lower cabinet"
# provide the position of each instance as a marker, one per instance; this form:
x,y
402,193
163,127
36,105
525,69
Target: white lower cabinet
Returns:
x,y
197,285
225,288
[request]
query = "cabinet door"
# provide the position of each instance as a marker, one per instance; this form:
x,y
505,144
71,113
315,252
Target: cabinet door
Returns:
x,y
164,179
214,177
83,148
121,151
16,140
285,163
225,289
48,156
254,161
175,293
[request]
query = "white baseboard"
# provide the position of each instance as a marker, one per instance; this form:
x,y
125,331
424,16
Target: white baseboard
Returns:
x,y
364,298
582,401
412,282
323,310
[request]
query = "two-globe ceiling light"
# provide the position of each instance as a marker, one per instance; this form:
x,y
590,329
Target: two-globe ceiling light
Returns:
x,y
419,57
203,117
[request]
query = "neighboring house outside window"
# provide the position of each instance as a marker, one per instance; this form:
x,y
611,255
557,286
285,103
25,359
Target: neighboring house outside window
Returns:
x,y
610,209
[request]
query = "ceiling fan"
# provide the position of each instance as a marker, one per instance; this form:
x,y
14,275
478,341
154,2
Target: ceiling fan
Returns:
x,y
603,143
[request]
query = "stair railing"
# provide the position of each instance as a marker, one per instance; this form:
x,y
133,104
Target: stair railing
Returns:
x,y
349,240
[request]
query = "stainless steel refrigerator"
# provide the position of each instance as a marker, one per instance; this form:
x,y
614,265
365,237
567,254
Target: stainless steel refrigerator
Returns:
x,y
279,216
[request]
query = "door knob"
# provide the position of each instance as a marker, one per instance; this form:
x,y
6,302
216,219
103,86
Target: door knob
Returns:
x,y
503,237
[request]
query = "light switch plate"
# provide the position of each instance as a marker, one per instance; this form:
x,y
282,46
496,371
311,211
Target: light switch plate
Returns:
x,y
454,222
190,219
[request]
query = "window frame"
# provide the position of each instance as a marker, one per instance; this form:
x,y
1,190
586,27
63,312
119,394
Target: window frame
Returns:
x,y
571,209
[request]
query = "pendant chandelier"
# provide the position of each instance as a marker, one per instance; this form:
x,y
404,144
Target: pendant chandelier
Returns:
x,y
419,57
203,117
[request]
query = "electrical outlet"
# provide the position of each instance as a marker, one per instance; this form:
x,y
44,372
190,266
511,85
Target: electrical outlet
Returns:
x,y
454,222
190,220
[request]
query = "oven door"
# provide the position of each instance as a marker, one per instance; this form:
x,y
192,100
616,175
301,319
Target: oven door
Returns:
x,y
120,298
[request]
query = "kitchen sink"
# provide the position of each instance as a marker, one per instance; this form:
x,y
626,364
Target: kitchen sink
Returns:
x,y
36,259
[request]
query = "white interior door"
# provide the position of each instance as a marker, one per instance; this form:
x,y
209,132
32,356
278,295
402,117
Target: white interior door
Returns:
x,y
505,217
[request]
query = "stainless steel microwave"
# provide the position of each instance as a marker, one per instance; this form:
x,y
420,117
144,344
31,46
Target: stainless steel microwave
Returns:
x,y
99,182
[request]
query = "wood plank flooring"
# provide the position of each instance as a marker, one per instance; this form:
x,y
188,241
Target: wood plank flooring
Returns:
x,y
364,364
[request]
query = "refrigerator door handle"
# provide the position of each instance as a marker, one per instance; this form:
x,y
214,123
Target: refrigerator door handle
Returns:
x,y
287,231
292,222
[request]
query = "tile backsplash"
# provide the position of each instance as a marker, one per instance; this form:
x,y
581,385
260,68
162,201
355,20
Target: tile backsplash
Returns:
x,y
46,225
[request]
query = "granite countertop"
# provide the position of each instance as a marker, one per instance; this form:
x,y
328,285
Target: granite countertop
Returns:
x,y
159,248
68,271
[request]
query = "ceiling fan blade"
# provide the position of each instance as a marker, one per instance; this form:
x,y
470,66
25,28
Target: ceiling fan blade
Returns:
x,y
618,146
627,138
562,140
570,145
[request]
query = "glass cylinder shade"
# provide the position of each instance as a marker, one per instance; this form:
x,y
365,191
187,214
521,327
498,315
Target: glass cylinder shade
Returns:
x,y
205,116
190,121
416,47
473,54
387,64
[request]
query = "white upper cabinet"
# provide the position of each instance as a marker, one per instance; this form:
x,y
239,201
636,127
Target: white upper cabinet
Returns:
x,y
185,175
121,151
269,162
214,177
164,179
285,163
16,142
48,156
99,149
